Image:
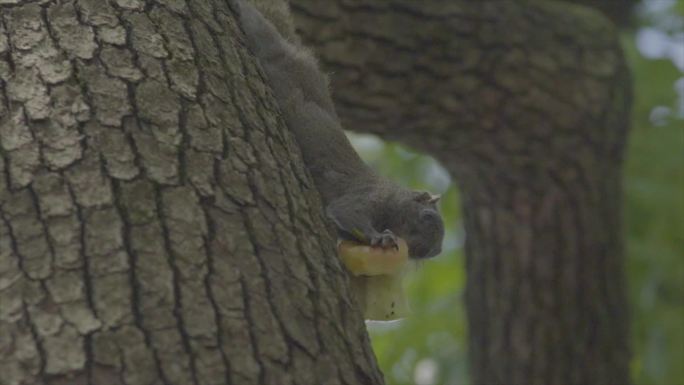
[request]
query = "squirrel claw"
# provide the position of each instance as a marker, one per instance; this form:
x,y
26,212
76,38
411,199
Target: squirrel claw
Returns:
x,y
385,240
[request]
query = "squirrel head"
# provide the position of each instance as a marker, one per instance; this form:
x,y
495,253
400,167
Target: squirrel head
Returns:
x,y
421,224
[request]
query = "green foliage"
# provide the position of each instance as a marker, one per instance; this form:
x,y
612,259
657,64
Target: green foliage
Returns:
x,y
430,346
654,215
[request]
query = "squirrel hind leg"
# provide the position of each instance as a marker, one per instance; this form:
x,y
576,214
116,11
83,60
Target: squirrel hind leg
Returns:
x,y
289,66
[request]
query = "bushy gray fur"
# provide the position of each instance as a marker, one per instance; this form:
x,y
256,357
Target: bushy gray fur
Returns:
x,y
365,206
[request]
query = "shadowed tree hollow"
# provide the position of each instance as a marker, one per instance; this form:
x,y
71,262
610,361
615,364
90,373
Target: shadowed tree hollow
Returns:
x,y
157,225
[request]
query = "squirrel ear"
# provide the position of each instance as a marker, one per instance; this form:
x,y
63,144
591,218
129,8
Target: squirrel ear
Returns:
x,y
422,197
426,197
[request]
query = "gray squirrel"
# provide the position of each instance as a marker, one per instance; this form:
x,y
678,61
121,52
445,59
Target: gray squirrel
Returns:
x,y
363,205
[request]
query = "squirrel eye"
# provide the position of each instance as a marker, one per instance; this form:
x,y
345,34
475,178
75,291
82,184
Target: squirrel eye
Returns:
x,y
428,215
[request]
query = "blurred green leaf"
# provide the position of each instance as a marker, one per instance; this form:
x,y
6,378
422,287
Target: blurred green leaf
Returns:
x,y
679,8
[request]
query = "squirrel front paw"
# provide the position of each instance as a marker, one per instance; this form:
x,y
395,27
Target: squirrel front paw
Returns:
x,y
386,240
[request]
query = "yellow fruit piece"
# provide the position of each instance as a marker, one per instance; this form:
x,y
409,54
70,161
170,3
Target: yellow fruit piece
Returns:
x,y
376,279
366,260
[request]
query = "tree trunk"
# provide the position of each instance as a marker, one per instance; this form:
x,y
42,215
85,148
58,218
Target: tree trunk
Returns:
x,y
156,222
527,105
620,12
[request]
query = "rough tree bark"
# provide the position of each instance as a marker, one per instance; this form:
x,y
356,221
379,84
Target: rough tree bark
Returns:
x,y
527,105
156,223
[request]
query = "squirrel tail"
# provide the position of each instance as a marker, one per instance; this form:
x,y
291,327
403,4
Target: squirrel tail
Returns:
x,y
304,98
288,66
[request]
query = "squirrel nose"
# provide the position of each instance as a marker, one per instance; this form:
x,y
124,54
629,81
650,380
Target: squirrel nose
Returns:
x,y
423,252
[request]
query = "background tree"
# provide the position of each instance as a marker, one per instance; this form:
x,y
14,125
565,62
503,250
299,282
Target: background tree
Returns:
x,y
526,104
156,222
429,347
